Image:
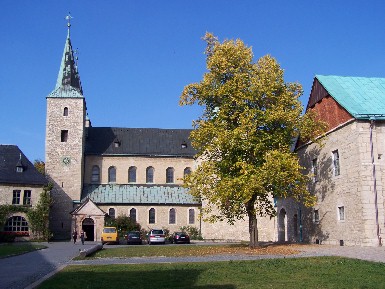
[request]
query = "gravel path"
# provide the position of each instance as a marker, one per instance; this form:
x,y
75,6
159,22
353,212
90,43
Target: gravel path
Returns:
x,y
29,270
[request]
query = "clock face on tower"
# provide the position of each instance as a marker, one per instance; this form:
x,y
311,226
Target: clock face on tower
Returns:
x,y
66,161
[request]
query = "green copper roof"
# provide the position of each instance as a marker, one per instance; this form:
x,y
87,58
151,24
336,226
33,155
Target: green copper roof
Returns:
x,y
363,98
68,81
138,194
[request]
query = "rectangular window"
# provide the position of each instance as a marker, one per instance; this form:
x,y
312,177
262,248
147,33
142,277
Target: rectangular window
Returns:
x,y
336,163
27,197
191,216
314,170
341,213
316,216
16,197
64,136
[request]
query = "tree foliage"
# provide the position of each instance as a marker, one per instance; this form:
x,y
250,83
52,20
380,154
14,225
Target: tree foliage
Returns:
x,y
40,166
38,215
124,224
244,136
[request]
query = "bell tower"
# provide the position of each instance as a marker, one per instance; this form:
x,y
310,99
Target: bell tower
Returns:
x,y
64,142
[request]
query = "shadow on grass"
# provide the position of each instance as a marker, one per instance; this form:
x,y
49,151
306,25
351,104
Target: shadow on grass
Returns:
x,y
130,277
14,249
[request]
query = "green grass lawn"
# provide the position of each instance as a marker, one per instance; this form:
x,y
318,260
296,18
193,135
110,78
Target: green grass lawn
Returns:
x,y
12,249
320,272
187,250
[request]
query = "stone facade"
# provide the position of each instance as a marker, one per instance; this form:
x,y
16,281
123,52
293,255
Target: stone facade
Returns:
x,y
348,167
352,189
64,158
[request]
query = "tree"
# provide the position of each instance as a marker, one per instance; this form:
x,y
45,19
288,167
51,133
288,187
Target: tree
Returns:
x,y
243,138
38,216
122,223
40,166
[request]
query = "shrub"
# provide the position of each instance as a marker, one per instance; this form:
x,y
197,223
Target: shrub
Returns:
x,y
192,232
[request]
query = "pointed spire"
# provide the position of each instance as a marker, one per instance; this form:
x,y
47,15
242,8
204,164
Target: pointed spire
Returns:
x,y
68,73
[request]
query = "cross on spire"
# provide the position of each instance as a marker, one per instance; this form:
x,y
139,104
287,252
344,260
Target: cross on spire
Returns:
x,y
68,18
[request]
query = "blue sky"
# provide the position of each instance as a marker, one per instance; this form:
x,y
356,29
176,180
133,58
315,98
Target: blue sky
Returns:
x,y
135,57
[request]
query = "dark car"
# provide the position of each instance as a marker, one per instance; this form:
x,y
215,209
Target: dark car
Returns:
x,y
180,237
133,238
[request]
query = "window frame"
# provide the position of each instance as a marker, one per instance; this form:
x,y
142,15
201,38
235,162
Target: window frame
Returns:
x,y
132,174
27,198
172,216
112,216
186,171
150,172
170,175
191,216
341,213
314,169
112,174
152,216
16,224
95,171
135,219
64,135
16,197
336,163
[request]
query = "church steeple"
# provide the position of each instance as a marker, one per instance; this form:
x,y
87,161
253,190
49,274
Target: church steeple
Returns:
x,y
68,78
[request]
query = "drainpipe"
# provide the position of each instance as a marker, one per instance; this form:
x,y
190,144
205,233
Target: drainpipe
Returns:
x,y
372,123
300,224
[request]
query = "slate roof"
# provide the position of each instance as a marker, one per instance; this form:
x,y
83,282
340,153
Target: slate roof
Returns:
x,y
138,142
138,194
9,159
362,97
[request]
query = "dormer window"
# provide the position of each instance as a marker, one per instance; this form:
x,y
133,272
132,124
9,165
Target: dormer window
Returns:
x,y
184,145
116,143
19,166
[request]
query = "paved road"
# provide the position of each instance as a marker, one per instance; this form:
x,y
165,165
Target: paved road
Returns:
x,y
23,270
27,271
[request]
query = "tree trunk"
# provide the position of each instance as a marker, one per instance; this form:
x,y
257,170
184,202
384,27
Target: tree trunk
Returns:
x,y
253,230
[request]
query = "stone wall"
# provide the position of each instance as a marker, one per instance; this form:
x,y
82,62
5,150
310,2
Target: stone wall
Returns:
x,y
64,160
122,164
352,189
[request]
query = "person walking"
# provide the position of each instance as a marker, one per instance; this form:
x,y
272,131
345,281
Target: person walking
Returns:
x,y
74,236
82,236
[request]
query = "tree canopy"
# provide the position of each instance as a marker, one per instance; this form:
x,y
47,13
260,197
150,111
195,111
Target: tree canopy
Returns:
x,y
244,136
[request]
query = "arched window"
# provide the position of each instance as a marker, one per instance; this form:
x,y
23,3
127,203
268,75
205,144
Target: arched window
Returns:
x,y
132,174
187,171
65,111
111,213
150,175
191,216
16,224
111,174
95,176
171,216
133,214
151,216
170,175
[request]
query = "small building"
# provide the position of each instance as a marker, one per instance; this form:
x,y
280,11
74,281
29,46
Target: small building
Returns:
x,y
20,186
348,169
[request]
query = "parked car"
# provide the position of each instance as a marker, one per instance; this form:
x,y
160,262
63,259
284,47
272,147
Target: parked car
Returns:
x,y
110,235
156,236
180,237
133,237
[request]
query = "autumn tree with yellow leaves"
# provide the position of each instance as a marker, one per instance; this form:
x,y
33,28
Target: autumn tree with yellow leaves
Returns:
x,y
244,135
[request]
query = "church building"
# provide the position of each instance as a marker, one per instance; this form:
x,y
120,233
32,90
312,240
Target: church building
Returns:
x,y
136,172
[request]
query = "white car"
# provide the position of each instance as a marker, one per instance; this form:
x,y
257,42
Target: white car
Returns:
x,y
156,236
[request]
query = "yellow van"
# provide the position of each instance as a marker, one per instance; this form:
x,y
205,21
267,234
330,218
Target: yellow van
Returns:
x,y
110,235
